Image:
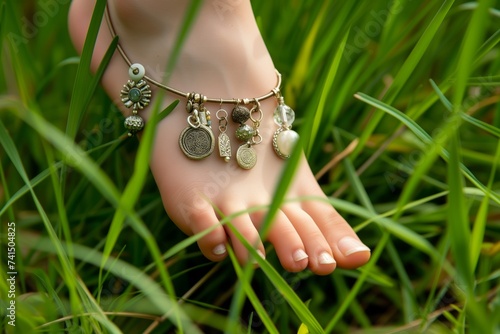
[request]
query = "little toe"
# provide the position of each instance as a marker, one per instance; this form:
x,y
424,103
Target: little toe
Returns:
x,y
287,242
244,225
348,250
321,259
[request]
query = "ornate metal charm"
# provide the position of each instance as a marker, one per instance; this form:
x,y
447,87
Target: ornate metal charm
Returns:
x,y
136,94
224,147
246,156
197,142
224,141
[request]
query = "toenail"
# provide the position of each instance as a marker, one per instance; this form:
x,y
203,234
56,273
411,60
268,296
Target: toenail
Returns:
x,y
299,255
349,245
219,249
254,261
261,254
325,258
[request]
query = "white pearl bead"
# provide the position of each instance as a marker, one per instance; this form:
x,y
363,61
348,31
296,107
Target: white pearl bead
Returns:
x,y
286,141
139,72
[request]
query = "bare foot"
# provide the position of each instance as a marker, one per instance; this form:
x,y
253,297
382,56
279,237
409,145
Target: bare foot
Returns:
x,y
224,56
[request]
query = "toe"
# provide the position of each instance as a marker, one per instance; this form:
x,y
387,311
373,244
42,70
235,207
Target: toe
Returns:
x,y
287,242
239,220
321,259
348,250
195,215
213,243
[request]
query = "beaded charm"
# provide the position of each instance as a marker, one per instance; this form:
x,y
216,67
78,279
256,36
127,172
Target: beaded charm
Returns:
x,y
246,155
197,139
136,94
284,138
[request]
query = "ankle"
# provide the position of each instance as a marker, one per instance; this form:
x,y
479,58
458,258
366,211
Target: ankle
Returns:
x,y
225,58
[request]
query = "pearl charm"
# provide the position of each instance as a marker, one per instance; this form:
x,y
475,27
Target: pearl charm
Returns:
x,y
284,141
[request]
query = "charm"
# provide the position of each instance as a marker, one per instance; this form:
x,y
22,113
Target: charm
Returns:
x,y
284,138
197,140
284,141
136,93
223,140
246,156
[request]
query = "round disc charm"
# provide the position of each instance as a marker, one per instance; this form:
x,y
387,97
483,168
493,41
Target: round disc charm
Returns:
x,y
197,143
246,156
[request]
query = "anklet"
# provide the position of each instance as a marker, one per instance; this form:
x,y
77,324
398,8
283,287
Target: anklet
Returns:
x,y
197,140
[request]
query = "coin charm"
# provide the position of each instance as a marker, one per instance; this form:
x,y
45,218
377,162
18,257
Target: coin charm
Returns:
x,y
246,156
197,142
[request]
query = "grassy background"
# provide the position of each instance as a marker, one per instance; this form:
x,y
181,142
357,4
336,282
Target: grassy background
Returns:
x,y
398,108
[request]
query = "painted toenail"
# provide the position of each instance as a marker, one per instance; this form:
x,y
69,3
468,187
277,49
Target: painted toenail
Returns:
x,y
349,245
325,258
219,249
299,255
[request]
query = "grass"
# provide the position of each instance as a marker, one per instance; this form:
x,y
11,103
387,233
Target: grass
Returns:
x,y
405,92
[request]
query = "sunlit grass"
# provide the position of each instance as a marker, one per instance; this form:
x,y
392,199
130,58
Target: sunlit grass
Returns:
x,y
407,92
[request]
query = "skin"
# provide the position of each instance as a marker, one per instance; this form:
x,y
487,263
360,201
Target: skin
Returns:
x,y
227,60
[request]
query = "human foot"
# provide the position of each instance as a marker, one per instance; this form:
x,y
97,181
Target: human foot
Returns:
x,y
223,56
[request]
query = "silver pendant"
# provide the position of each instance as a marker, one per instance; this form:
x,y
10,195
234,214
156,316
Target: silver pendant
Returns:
x,y
197,142
246,156
224,147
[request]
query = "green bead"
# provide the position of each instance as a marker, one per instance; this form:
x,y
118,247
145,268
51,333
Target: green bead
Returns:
x,y
244,132
135,95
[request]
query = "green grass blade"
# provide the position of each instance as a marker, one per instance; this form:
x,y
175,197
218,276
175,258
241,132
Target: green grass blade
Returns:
x,y
325,96
264,317
145,284
408,68
67,266
282,286
479,228
425,138
357,286
82,90
400,231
